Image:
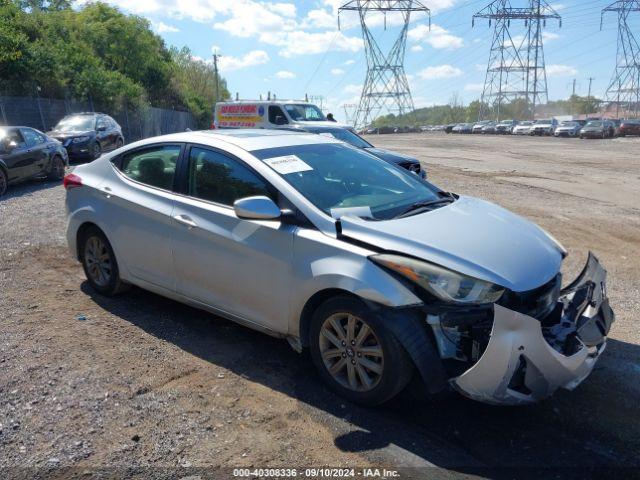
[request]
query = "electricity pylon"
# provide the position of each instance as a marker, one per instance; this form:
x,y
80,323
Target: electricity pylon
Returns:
x,y
386,87
516,69
624,89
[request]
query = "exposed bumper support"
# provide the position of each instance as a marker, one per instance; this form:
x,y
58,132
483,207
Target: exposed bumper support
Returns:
x,y
523,364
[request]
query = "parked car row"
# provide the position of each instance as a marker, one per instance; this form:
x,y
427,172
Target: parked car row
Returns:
x,y
595,128
27,153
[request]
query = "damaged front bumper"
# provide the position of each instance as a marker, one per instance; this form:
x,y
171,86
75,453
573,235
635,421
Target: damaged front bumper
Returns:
x,y
527,359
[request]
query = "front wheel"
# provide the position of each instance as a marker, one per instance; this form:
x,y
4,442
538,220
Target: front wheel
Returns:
x,y
57,169
99,263
355,354
96,150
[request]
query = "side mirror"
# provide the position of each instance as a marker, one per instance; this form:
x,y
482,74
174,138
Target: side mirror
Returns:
x,y
101,128
280,120
256,208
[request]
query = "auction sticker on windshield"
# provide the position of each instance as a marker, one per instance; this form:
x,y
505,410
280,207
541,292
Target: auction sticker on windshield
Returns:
x,y
288,164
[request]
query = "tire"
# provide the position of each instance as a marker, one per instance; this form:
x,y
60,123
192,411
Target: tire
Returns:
x,y
374,378
99,263
96,151
57,169
119,143
4,182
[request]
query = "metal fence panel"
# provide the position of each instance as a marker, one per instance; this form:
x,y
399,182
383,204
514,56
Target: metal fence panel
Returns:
x,y
44,113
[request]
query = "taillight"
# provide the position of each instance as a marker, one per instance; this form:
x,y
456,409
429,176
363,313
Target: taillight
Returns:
x,y
71,181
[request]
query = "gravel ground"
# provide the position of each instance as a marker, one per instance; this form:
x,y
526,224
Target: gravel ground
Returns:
x,y
90,383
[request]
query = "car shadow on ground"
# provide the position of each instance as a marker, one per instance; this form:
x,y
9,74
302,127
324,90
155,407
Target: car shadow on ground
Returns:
x,y
29,188
594,427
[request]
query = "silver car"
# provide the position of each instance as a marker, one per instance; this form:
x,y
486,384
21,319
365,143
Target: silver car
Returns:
x,y
380,275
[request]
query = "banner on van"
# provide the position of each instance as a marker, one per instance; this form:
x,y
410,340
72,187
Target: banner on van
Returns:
x,y
240,115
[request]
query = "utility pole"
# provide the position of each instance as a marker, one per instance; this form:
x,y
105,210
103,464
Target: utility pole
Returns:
x,y
591,79
217,83
386,88
573,94
516,68
624,89
215,69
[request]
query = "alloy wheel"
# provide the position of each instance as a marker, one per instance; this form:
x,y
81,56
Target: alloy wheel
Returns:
x,y
58,168
97,151
351,352
98,261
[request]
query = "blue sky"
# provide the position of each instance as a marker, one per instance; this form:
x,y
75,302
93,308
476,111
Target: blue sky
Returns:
x,y
294,47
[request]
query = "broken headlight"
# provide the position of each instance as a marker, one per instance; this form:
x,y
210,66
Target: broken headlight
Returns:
x,y
444,284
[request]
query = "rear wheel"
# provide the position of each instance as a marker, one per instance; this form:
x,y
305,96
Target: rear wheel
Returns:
x,y
355,354
3,182
57,169
99,262
119,143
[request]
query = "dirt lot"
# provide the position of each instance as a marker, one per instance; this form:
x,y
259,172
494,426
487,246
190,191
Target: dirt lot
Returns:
x,y
140,385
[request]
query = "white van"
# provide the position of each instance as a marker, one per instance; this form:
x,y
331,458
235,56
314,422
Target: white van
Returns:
x,y
270,114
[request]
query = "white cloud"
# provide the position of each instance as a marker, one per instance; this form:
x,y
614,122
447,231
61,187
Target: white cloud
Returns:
x,y
251,59
549,36
474,87
337,71
319,19
441,71
561,71
305,43
349,62
284,9
161,27
285,74
352,89
438,37
417,48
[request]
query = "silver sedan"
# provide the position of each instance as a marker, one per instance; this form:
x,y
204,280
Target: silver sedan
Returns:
x,y
381,275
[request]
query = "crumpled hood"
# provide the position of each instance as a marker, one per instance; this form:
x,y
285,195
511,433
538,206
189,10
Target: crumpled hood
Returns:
x,y
390,156
470,236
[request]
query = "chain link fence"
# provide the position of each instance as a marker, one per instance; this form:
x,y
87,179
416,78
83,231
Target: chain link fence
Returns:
x,y
44,113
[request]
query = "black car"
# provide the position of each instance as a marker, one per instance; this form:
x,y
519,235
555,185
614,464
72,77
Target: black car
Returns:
x,y
598,129
87,135
352,138
26,153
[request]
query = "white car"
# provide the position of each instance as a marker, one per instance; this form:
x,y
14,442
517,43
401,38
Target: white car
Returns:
x,y
523,128
379,273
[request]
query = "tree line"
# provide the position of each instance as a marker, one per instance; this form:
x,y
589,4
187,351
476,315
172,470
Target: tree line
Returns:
x,y
97,53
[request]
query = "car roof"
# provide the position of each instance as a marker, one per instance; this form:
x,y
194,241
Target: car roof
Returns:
x,y
246,139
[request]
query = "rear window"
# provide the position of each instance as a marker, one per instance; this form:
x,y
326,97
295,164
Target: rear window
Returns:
x,y
153,166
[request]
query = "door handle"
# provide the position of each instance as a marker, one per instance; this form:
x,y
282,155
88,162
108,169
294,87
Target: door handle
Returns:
x,y
185,220
106,191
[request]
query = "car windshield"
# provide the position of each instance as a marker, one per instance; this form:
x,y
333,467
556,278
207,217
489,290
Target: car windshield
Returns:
x,y
570,124
76,123
594,124
340,179
344,135
525,124
304,113
544,121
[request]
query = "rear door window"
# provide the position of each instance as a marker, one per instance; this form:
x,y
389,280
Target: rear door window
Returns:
x,y
31,138
154,166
